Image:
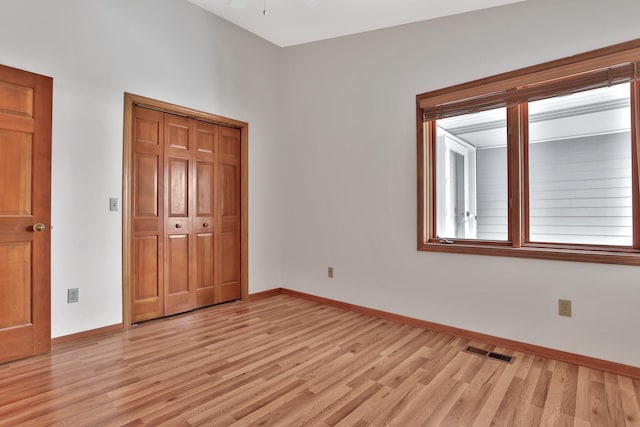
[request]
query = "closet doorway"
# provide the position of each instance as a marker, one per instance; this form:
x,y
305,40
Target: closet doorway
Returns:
x,y
184,208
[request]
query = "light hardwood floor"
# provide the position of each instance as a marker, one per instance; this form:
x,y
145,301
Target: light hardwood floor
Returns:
x,y
286,361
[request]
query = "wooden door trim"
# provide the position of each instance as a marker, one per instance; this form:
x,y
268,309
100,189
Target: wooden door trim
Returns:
x,y
91,333
130,100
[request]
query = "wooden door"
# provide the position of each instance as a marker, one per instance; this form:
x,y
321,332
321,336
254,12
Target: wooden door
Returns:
x,y
204,218
228,224
179,291
186,214
147,216
25,213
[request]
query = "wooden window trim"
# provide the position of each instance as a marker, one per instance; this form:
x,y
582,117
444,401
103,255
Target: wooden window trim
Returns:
x,y
621,59
572,65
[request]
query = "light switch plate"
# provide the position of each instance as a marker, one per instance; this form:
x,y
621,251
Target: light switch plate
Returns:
x,y
73,295
114,204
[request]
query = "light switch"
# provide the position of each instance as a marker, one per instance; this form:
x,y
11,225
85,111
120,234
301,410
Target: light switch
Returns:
x,y
73,295
114,204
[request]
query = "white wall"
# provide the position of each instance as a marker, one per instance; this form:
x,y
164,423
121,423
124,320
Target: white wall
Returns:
x,y
164,49
350,162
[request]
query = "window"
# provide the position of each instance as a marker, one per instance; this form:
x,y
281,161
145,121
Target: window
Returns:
x,y
541,162
580,168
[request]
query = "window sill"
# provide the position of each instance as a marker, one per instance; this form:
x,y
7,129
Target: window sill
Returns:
x,y
623,256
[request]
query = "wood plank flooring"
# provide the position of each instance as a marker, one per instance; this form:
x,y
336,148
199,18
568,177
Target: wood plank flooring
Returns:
x,y
284,361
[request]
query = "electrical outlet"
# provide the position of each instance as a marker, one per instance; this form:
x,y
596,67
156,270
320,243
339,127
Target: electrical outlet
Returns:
x,y
564,307
330,272
73,295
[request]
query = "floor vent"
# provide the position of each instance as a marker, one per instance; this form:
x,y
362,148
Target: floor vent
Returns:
x,y
489,354
502,357
475,350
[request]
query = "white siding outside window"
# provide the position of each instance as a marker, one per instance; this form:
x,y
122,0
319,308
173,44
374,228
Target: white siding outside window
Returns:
x,y
580,191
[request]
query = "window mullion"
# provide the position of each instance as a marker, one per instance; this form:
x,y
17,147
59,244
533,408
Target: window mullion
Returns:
x,y
516,134
523,145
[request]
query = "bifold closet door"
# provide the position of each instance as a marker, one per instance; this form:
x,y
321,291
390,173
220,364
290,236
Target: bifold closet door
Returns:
x,y
228,226
204,218
179,261
186,214
147,214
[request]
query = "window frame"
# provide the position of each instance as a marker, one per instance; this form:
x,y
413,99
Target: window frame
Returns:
x,y
514,90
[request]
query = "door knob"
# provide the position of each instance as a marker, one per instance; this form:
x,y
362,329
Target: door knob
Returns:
x,y
39,227
178,225
206,224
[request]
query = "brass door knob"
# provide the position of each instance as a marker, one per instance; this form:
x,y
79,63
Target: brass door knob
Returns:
x,y
39,227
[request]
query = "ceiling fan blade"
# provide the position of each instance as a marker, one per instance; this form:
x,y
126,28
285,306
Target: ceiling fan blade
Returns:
x,y
238,4
312,3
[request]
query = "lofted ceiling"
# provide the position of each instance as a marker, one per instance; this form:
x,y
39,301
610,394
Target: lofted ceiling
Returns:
x,y
292,22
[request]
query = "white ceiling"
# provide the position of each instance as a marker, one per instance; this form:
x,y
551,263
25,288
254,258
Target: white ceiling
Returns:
x,y
291,22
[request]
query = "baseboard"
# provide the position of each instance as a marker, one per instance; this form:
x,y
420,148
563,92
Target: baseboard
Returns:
x,y
86,334
549,353
264,294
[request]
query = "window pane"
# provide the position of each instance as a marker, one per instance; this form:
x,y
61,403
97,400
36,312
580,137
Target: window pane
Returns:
x,y
471,176
580,168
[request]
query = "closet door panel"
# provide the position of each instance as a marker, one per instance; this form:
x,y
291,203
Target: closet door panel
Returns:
x,y
147,215
178,188
178,297
205,138
230,191
204,220
205,267
179,289
230,266
147,166
205,189
228,241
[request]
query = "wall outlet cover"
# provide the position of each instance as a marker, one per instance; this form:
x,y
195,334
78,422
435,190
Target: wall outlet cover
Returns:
x,y
564,307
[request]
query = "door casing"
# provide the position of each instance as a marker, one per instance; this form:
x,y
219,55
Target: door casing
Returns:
x,y
127,167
